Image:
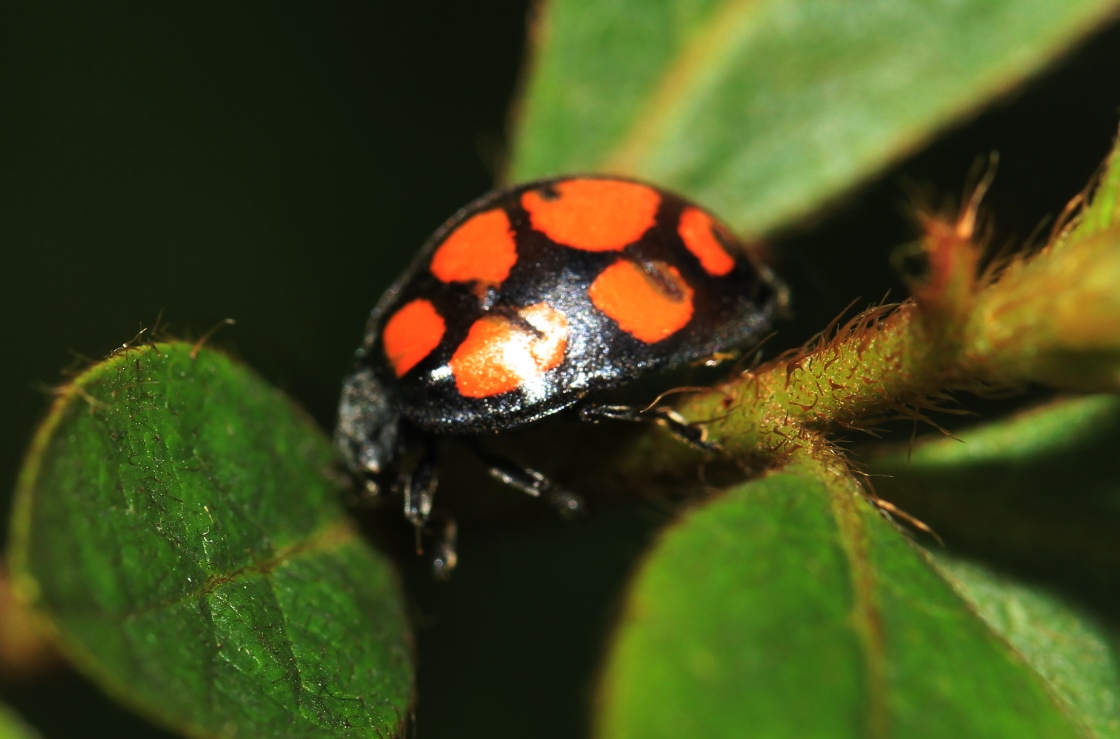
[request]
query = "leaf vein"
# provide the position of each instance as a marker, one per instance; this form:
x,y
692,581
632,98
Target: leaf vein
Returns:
x,y
725,29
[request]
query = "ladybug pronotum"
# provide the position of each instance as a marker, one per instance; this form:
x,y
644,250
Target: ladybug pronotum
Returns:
x,y
529,301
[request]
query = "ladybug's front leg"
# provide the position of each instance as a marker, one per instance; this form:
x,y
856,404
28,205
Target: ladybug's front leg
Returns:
x,y
691,434
417,487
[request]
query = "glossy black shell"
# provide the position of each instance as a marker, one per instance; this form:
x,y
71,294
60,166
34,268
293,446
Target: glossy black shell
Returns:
x,y
729,312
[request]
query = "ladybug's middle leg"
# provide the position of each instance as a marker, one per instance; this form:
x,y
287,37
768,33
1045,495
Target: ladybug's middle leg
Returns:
x,y
417,488
691,434
530,481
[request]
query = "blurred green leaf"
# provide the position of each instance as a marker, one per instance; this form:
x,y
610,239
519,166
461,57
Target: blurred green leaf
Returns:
x,y
778,610
1034,453
177,522
1072,650
12,727
764,109
1039,485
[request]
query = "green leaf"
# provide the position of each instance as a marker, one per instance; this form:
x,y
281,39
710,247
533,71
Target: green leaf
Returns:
x,y
784,609
762,109
1033,453
177,522
1039,487
12,726
1044,479
1072,650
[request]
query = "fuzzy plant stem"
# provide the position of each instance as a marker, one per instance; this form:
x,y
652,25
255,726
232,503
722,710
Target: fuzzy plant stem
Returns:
x,y
1053,317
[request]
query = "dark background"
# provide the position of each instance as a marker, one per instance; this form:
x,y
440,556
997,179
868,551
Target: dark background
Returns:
x,y
278,164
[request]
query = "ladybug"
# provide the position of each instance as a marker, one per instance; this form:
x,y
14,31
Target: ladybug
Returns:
x,y
529,301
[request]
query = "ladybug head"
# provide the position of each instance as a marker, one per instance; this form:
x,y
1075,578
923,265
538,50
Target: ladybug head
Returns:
x,y
368,433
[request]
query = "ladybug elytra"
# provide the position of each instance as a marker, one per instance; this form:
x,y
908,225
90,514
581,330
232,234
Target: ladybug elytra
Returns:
x,y
527,302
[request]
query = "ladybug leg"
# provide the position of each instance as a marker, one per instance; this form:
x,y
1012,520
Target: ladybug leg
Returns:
x,y
417,488
446,538
692,434
531,482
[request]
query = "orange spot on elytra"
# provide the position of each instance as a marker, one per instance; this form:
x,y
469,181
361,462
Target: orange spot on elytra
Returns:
x,y
480,250
593,215
697,230
411,334
648,307
501,354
